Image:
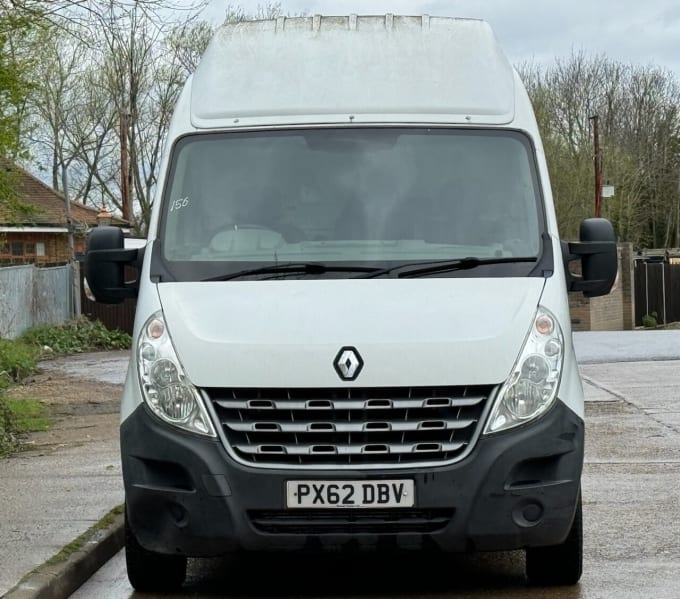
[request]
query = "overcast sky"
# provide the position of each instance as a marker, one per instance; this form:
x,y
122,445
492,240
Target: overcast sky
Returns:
x,y
640,31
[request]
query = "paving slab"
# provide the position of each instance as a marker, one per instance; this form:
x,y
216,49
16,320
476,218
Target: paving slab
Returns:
x,y
594,392
52,494
49,499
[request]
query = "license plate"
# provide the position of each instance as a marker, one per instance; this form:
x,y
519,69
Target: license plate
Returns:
x,y
350,493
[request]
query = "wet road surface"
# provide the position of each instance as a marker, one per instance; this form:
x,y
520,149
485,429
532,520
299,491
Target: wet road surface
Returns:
x,y
105,367
631,493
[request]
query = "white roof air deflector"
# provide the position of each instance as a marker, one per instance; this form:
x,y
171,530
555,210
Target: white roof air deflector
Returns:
x,y
375,69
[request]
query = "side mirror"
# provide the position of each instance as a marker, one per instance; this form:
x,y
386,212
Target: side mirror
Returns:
x,y
105,263
598,256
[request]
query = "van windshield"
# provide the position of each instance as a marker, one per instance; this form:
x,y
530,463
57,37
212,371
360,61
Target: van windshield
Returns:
x,y
360,198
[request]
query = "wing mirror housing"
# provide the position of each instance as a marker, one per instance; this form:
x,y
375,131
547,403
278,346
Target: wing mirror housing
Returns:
x,y
599,259
105,262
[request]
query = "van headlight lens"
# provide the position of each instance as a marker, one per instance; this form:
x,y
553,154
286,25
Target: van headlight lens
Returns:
x,y
532,386
165,387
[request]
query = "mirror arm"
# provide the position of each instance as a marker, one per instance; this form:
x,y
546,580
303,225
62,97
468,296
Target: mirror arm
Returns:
x,y
575,250
128,292
578,249
578,284
133,258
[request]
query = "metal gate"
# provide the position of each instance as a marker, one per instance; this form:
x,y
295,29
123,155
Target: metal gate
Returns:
x,y
31,296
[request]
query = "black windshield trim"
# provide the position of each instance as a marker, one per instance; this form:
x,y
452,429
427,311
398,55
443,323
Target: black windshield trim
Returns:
x,y
195,271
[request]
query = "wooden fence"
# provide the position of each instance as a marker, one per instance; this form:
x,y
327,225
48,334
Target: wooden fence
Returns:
x,y
113,316
657,291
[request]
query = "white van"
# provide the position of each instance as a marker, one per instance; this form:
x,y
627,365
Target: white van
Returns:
x,y
352,319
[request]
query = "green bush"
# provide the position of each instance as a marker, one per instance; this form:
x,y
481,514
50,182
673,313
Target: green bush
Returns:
x,y
649,320
76,336
17,361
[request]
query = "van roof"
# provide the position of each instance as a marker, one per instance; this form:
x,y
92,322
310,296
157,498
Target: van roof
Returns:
x,y
353,68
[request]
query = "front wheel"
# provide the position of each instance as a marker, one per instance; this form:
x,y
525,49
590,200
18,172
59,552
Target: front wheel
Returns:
x,y
558,565
149,571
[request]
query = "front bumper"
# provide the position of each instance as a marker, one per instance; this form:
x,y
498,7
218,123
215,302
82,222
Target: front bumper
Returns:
x,y
516,489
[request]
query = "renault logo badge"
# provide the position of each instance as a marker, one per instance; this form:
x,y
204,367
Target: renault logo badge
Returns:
x,y
348,363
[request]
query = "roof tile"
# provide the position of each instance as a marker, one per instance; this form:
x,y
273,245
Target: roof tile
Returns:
x,y
49,203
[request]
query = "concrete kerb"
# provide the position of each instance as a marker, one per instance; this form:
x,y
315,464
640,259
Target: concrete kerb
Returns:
x,y
61,575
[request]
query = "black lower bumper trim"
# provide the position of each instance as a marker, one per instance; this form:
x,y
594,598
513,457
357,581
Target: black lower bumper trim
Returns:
x,y
516,489
318,522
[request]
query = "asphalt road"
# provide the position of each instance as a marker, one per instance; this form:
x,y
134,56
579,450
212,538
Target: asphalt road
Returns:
x,y
631,485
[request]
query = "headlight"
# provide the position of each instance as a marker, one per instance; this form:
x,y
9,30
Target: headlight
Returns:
x,y
532,386
165,387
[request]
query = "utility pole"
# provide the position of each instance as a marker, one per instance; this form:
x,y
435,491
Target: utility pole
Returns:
x,y
597,161
128,105
67,201
74,269
124,168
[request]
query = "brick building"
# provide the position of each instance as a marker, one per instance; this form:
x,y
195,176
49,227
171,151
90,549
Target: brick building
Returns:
x,y
39,235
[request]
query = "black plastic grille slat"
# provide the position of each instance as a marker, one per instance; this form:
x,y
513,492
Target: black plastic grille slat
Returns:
x,y
362,426
350,521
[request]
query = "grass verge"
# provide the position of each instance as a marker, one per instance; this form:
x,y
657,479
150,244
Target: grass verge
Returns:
x,y
17,361
29,415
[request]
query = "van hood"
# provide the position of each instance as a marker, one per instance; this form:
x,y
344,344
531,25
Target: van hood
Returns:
x,y
410,333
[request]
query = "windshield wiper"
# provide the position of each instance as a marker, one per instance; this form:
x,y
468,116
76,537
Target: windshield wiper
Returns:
x,y
417,269
292,268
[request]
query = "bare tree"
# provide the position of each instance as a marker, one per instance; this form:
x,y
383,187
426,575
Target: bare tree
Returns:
x,y
103,98
188,41
85,13
107,90
639,108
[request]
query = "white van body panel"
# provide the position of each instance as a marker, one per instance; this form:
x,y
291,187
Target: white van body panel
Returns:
x,y
449,71
287,334
193,107
477,343
478,340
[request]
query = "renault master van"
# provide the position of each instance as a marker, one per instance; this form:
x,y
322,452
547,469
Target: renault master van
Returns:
x,y
352,323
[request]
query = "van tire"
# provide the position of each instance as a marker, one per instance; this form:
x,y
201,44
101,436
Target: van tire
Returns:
x,y
149,571
558,565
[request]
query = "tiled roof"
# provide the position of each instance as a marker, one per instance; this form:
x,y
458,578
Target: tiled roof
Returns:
x,y
49,204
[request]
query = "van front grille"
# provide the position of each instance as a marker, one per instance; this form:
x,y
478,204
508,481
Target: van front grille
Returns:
x,y
350,426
